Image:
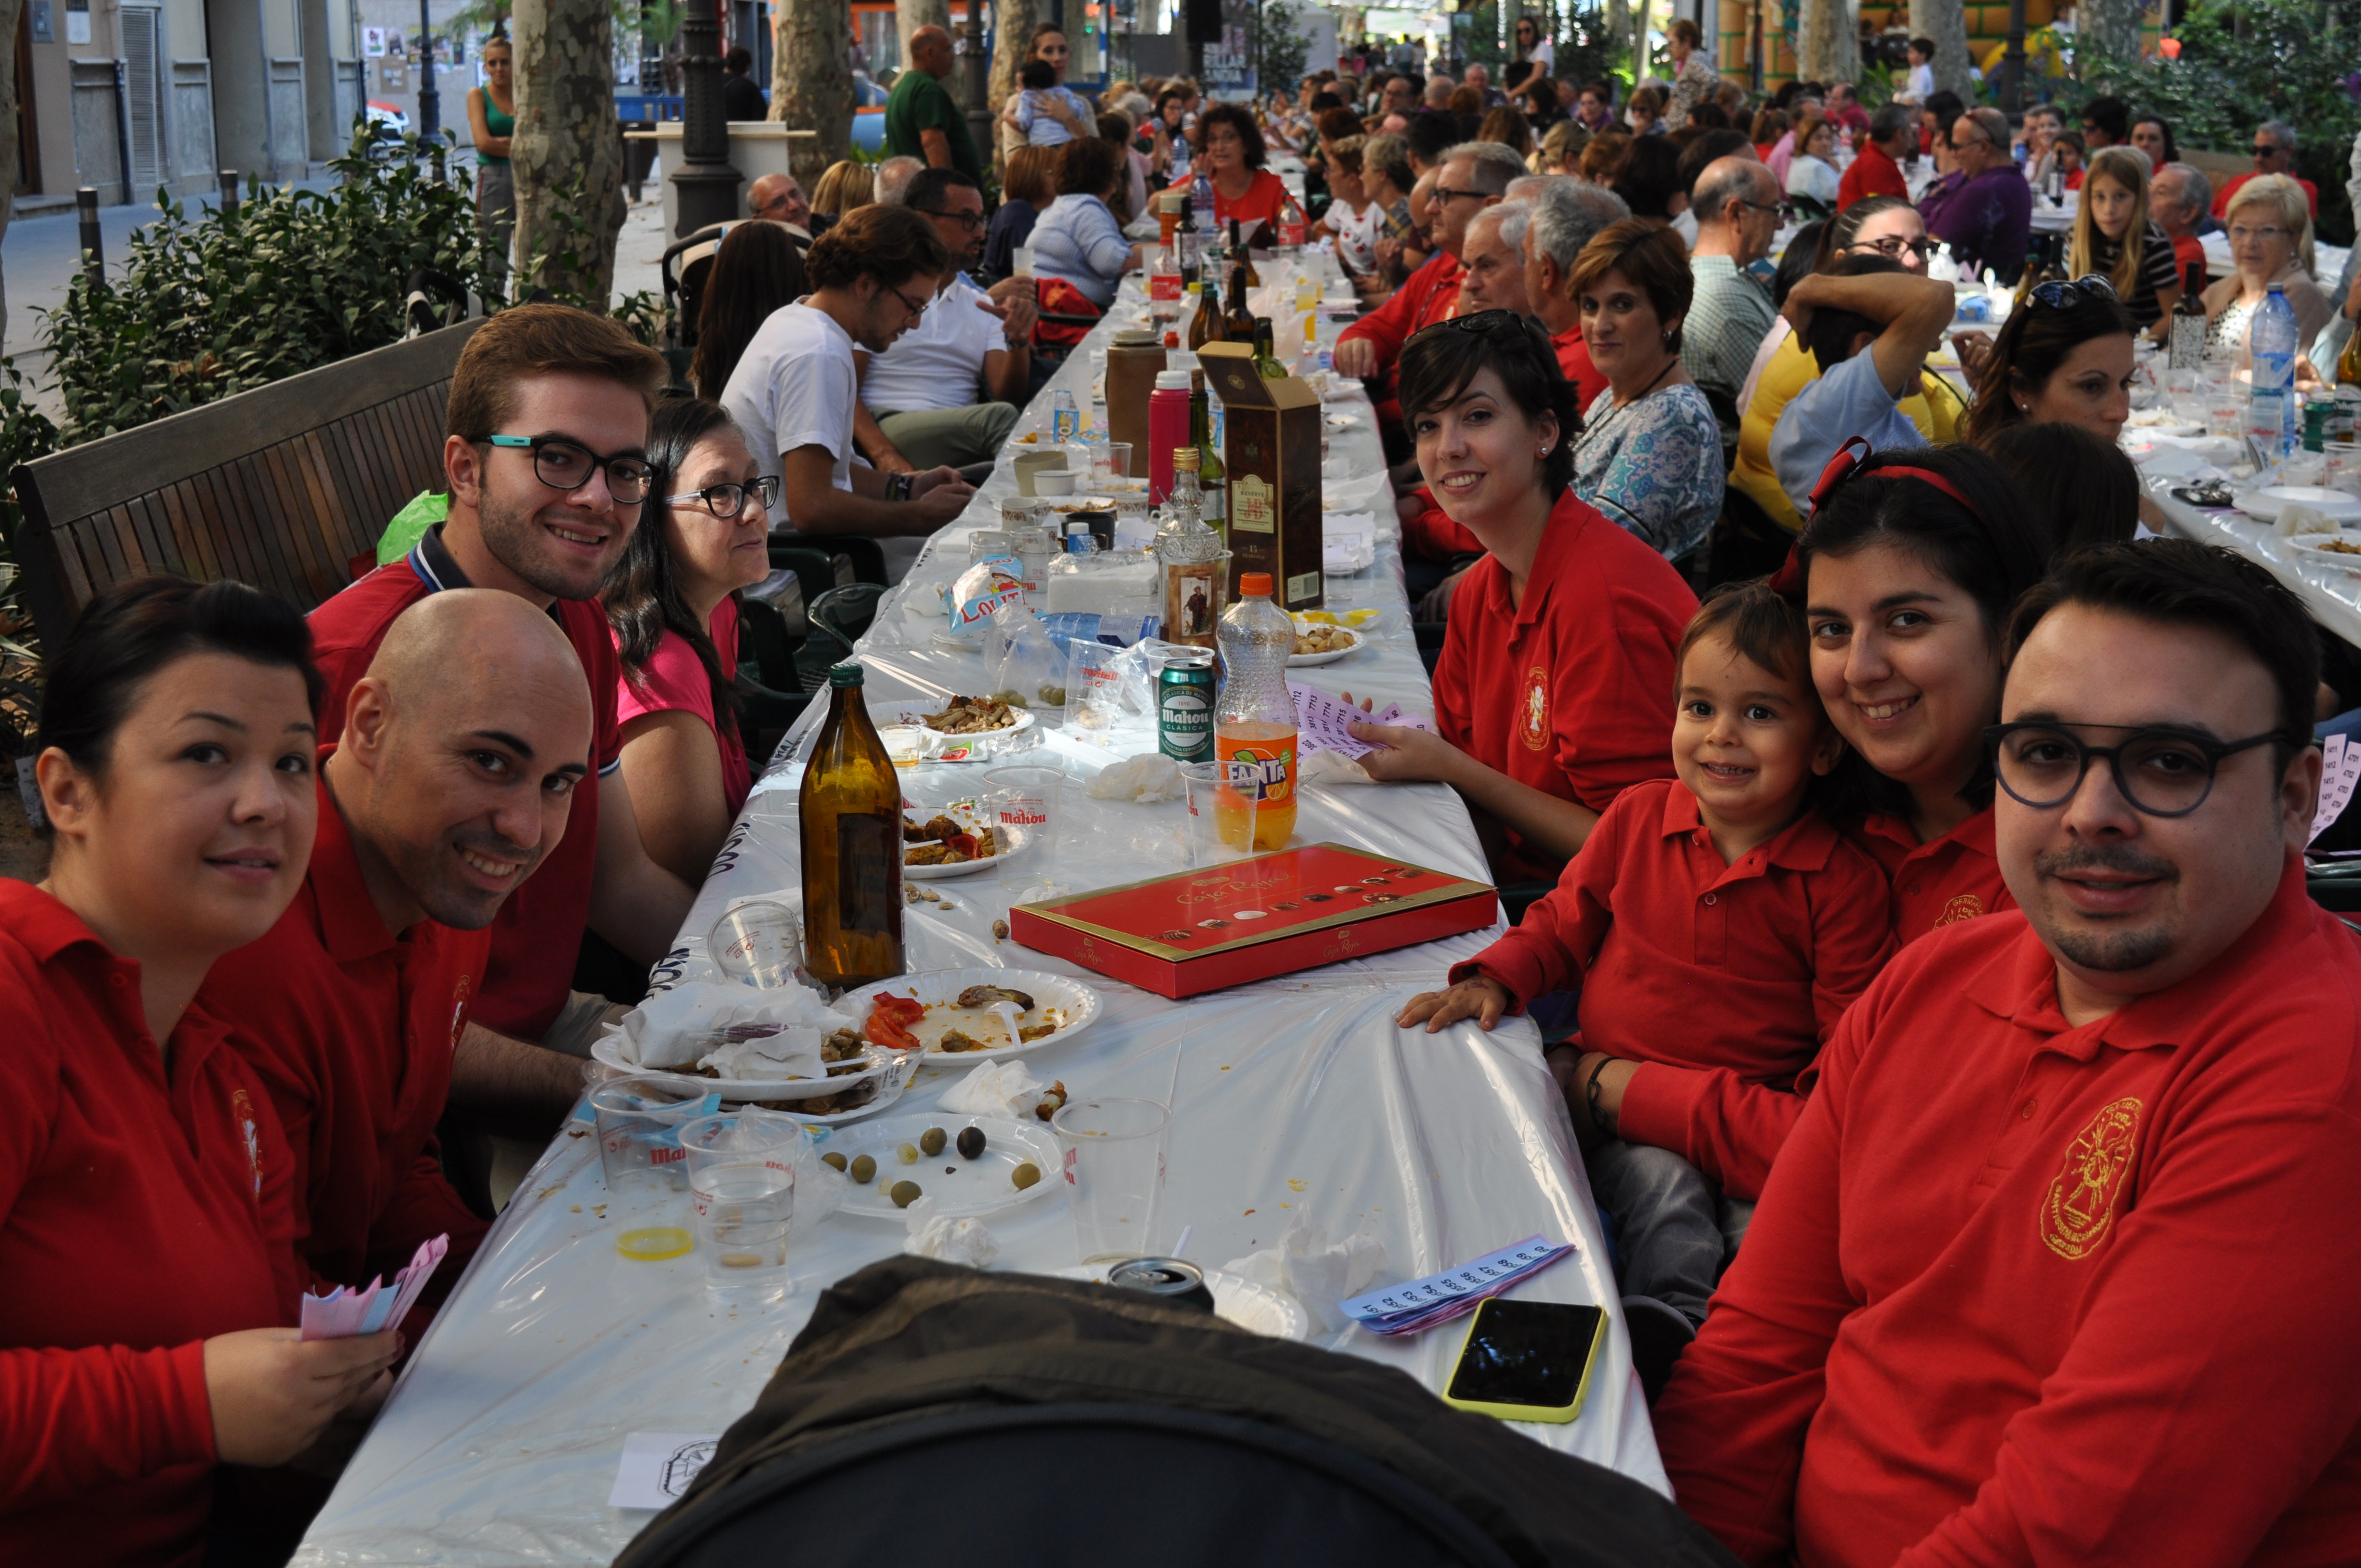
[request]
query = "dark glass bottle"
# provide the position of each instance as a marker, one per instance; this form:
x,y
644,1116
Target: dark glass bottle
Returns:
x,y
1238,324
2187,344
850,815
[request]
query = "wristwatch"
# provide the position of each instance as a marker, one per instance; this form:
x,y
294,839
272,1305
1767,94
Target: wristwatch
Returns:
x,y
897,487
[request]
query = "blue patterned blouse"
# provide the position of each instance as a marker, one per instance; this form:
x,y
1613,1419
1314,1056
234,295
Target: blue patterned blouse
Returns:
x,y
1653,468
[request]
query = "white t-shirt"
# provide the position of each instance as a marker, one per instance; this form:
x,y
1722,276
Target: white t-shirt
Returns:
x,y
1356,235
938,363
795,387
1546,56
1920,83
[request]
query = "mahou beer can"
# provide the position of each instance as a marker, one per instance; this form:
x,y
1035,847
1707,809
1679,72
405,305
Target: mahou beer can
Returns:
x,y
1184,707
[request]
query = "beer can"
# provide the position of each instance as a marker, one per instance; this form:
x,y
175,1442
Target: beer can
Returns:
x,y
1167,1278
2318,411
1184,707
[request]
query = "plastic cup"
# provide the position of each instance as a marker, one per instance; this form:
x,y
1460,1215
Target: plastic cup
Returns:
x,y
2341,471
1115,1174
741,1180
1110,462
639,1119
758,943
1024,804
2226,405
1208,800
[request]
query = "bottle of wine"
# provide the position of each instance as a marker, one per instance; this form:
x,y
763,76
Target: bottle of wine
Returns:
x,y
2186,347
849,811
1238,253
1266,352
1238,326
1205,326
1212,479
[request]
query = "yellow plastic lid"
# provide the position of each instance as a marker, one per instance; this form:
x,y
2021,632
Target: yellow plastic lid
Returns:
x,y
656,1243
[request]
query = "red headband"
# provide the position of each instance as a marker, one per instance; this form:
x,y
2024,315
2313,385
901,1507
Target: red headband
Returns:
x,y
1789,578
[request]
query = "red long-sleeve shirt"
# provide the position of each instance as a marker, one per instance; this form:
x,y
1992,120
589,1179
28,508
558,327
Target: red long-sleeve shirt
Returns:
x,y
1941,882
2021,1292
141,1213
351,1028
1723,977
1426,298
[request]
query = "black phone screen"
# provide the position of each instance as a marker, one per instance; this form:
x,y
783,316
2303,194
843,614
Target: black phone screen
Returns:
x,y
1525,1353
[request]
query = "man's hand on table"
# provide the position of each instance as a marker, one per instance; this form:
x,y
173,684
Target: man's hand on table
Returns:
x,y
1479,997
941,495
1357,357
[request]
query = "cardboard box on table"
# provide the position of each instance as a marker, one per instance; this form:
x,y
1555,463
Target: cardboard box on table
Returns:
x,y
1190,932
1270,446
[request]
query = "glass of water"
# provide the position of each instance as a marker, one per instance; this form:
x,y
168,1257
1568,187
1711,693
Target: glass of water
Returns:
x,y
742,1181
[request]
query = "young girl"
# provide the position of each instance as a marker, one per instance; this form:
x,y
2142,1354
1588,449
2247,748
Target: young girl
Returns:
x,y
1718,927
2065,155
2114,238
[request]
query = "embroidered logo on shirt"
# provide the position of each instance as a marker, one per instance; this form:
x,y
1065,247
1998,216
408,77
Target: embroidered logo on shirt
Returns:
x,y
1533,728
243,1109
459,994
1963,906
2080,1207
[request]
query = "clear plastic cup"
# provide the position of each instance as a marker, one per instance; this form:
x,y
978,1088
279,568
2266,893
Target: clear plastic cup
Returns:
x,y
1115,1171
639,1119
1023,804
1111,464
1209,799
741,1179
758,943
2341,471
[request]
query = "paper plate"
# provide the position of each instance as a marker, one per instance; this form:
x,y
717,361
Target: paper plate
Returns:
x,y
962,1189
1306,661
1236,1299
2269,502
1079,1004
892,1070
2313,548
966,868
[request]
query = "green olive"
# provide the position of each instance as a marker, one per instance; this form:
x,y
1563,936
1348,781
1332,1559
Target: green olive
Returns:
x,y
906,1153
905,1193
864,1168
836,1160
1025,1175
931,1141
971,1142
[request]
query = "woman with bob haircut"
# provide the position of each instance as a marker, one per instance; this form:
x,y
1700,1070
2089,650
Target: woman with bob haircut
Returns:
x,y
147,1219
2269,220
1230,152
1025,192
1549,696
1908,570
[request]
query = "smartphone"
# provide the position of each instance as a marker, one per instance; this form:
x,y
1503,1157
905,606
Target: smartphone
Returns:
x,y
1527,1361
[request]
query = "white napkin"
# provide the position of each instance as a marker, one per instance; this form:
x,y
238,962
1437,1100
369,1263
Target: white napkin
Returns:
x,y
995,1089
689,1024
1148,778
1317,1272
2303,516
970,1242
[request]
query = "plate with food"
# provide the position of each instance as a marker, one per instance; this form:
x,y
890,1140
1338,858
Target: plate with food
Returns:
x,y
946,846
2269,502
2342,551
968,1164
1319,644
862,1079
973,1015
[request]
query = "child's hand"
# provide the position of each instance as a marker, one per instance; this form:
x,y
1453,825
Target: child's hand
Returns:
x,y
1479,997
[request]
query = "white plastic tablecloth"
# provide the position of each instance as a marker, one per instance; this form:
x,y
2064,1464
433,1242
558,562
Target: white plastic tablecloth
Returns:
x,y
2331,594
1290,1096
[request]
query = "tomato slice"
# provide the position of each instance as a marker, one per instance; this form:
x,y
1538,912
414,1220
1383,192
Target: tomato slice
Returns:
x,y
964,843
898,1009
882,1031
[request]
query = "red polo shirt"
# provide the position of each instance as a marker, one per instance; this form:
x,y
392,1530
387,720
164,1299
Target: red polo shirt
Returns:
x,y
2024,1292
2222,195
141,1213
351,1028
1574,361
1940,882
1427,298
2188,251
539,930
1871,173
1725,977
1568,691
1432,535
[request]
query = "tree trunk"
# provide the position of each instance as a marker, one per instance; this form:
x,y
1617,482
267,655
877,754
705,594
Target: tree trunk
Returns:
x,y
1013,23
2111,27
909,15
1827,48
566,130
811,82
1945,22
9,12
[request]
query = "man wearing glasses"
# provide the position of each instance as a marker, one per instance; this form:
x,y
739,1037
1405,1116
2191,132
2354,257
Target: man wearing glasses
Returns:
x,y
2274,154
2051,1268
1987,218
1737,207
874,276
778,198
919,404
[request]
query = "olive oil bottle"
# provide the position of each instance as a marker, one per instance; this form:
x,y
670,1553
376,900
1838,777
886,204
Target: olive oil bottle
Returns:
x,y
850,815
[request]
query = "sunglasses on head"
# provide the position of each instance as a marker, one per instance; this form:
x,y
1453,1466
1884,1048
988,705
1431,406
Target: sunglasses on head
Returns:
x,y
2060,295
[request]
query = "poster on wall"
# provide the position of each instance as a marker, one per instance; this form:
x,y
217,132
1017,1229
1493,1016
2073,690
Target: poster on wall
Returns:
x,y
1229,69
373,42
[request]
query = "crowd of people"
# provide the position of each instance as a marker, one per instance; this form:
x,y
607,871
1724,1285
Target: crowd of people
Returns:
x,y
1961,1110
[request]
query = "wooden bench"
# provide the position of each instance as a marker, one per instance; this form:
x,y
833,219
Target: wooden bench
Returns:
x,y
286,487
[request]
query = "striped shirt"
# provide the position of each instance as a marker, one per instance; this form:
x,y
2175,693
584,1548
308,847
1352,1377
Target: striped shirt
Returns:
x,y
1728,320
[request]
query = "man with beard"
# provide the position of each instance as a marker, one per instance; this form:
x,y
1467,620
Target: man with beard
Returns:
x,y
2055,1268
462,748
874,277
545,452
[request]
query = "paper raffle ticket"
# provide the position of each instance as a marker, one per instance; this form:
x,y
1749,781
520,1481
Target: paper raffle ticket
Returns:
x,y
1438,1297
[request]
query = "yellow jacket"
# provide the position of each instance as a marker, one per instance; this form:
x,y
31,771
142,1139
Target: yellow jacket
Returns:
x,y
1936,410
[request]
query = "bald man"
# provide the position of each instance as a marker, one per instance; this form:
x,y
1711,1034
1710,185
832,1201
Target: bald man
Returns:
x,y
921,119
780,198
460,753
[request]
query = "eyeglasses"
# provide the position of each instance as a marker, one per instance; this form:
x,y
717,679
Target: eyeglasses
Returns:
x,y
2161,771
727,501
1778,207
2241,235
1893,245
564,465
1442,195
2270,150
970,222
2059,295
917,309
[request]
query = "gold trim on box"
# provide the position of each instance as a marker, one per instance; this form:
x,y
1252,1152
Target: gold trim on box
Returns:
x,y
1451,888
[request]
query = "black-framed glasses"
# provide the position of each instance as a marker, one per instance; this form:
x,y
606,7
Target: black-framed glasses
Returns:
x,y
2059,295
1893,245
726,502
565,465
2162,772
917,309
1443,194
970,222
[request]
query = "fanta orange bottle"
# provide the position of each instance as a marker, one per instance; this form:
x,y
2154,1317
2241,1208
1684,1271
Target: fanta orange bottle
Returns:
x,y
1254,722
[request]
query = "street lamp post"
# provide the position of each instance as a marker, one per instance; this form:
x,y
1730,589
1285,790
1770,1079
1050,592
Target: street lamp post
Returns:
x,y
706,184
2012,70
979,80
430,101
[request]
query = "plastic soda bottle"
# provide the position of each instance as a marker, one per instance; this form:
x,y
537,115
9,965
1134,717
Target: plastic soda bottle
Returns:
x,y
1200,204
1065,419
1254,722
2271,345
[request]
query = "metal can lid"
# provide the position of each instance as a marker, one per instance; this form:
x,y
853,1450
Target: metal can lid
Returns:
x,y
1190,659
1157,1276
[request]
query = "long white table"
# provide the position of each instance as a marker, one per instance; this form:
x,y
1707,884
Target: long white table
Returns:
x,y
1290,1096
2332,594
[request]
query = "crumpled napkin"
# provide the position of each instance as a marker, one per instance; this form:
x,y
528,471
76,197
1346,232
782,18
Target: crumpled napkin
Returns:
x,y
994,1089
1145,779
2303,516
1326,767
970,1242
1317,1272
693,1024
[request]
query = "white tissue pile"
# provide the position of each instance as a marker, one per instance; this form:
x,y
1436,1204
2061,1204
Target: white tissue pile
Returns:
x,y
2303,516
686,1027
1317,1272
970,1242
1145,779
995,1089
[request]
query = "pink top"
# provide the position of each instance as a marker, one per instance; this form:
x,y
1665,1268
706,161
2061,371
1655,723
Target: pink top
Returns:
x,y
674,679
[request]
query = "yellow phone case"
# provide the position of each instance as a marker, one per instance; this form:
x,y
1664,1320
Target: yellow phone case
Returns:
x,y
1550,1415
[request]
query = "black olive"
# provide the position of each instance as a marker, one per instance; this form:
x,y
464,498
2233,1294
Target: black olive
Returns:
x,y
971,1142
